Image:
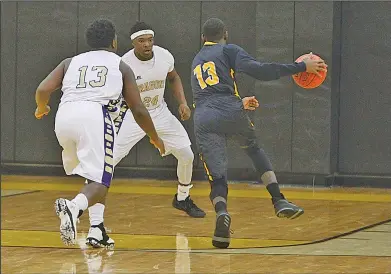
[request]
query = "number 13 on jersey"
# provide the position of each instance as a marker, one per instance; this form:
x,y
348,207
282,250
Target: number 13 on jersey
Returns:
x,y
210,69
101,72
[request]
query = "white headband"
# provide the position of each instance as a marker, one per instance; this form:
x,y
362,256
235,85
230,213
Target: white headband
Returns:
x,y
141,32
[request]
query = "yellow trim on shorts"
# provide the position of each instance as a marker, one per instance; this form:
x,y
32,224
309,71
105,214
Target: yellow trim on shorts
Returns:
x,y
210,178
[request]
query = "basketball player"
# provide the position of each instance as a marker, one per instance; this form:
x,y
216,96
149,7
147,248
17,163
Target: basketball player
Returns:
x,y
83,125
219,112
152,65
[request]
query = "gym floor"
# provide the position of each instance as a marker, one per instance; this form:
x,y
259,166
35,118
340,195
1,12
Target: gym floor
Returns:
x,y
343,230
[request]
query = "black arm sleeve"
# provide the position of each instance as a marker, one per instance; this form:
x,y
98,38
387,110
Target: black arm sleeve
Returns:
x,y
241,61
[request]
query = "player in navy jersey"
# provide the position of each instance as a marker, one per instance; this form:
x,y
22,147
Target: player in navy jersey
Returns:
x,y
221,113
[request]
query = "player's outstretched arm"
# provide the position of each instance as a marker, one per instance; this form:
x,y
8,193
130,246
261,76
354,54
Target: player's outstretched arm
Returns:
x,y
177,90
51,83
131,95
243,62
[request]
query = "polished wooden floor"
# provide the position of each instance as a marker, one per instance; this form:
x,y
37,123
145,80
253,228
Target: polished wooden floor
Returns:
x,y
342,230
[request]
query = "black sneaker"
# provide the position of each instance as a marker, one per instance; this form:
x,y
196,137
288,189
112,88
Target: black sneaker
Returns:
x,y
222,235
285,209
189,207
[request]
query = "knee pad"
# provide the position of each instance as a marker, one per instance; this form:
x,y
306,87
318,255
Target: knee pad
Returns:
x,y
185,155
268,177
185,159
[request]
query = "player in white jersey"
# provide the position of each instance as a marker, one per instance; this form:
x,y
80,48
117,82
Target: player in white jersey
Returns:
x,y
83,125
152,65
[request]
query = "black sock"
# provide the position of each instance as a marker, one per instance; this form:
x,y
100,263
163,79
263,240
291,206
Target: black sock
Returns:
x,y
80,213
220,206
219,194
274,191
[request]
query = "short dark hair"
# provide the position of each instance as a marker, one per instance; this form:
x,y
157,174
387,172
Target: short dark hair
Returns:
x,y
139,26
100,33
213,29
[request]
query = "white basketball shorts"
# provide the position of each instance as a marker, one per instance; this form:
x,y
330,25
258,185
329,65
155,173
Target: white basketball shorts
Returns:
x,y
86,133
168,127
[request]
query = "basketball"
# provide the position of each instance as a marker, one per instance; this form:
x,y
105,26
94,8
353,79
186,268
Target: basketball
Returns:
x,y
309,80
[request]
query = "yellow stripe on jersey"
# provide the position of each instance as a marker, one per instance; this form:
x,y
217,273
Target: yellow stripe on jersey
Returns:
x,y
209,43
235,86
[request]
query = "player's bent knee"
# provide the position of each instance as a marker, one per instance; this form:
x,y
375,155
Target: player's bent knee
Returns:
x,y
189,155
259,158
216,173
184,155
221,181
219,187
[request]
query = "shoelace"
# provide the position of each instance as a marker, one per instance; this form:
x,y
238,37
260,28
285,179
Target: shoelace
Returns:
x,y
191,204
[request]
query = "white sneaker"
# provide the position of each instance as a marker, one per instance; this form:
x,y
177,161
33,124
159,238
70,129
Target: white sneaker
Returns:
x,y
67,211
97,237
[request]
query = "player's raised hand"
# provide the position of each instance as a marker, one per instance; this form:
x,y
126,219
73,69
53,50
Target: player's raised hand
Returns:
x,y
40,112
158,143
250,103
314,65
184,112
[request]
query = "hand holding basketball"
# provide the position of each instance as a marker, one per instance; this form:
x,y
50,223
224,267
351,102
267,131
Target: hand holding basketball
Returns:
x,y
314,64
315,74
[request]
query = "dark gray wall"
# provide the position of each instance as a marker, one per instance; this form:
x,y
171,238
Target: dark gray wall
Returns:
x,y
365,101
311,108
46,34
342,125
274,121
8,80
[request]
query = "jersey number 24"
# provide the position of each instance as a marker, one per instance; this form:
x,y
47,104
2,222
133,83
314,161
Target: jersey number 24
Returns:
x,y
101,72
210,69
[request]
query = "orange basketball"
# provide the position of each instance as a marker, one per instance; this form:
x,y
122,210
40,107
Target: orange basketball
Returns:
x,y
309,80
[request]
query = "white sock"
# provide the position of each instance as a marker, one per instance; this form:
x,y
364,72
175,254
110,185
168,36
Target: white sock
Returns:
x,y
96,213
183,192
81,201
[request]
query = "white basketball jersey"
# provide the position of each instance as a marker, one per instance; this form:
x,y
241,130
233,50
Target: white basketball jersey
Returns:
x,y
93,76
151,76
